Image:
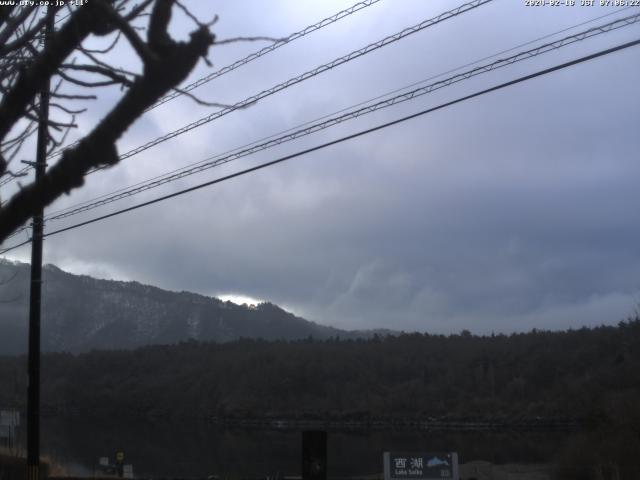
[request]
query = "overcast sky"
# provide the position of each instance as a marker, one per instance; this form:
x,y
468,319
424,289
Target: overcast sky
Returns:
x,y
511,211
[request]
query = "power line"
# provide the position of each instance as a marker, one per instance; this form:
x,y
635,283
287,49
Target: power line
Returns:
x,y
315,127
273,140
263,51
530,42
10,178
343,139
253,56
373,99
256,146
307,75
237,64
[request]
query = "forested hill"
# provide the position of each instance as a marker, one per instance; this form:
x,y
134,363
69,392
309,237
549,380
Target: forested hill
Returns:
x,y
591,374
80,313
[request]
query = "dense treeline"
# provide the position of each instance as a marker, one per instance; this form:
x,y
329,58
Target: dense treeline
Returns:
x,y
586,374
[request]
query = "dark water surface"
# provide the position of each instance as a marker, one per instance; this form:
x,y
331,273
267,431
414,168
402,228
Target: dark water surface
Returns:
x,y
196,450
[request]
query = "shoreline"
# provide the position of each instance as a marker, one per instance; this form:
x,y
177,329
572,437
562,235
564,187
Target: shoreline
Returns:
x,y
316,422
400,424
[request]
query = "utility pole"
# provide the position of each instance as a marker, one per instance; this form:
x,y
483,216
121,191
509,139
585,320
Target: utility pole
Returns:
x,y
33,388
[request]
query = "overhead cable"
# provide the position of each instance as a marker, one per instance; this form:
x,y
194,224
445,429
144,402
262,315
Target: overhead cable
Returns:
x,y
238,63
342,139
265,50
326,116
307,75
356,113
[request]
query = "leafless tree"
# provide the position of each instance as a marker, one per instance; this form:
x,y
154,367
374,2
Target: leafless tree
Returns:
x,y
27,63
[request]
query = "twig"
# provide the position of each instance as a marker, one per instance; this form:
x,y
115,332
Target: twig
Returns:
x,y
194,18
67,110
100,70
74,97
107,49
142,49
200,101
83,83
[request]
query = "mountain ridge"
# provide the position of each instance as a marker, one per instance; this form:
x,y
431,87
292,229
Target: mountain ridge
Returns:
x,y
81,313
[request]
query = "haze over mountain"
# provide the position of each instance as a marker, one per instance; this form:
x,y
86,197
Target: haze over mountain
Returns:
x,y
80,313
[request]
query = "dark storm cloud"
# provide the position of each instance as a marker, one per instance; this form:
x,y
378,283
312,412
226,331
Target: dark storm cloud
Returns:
x,y
508,212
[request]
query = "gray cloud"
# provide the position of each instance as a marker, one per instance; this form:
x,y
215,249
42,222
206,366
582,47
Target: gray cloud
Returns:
x,y
509,212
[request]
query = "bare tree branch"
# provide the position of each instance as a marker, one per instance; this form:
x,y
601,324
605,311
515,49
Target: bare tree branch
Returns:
x,y
141,48
26,37
12,24
92,84
104,65
74,97
31,80
56,143
194,18
67,110
137,10
204,102
166,64
106,49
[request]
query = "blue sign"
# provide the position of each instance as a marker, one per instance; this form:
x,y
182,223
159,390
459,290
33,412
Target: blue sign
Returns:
x,y
420,466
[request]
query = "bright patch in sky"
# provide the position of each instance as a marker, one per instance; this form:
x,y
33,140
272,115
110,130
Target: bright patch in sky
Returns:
x,y
239,299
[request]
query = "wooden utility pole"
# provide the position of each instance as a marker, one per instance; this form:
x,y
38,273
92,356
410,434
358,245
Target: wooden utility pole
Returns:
x,y
33,388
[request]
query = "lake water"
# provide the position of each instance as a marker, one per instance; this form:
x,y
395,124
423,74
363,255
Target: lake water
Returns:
x,y
193,450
